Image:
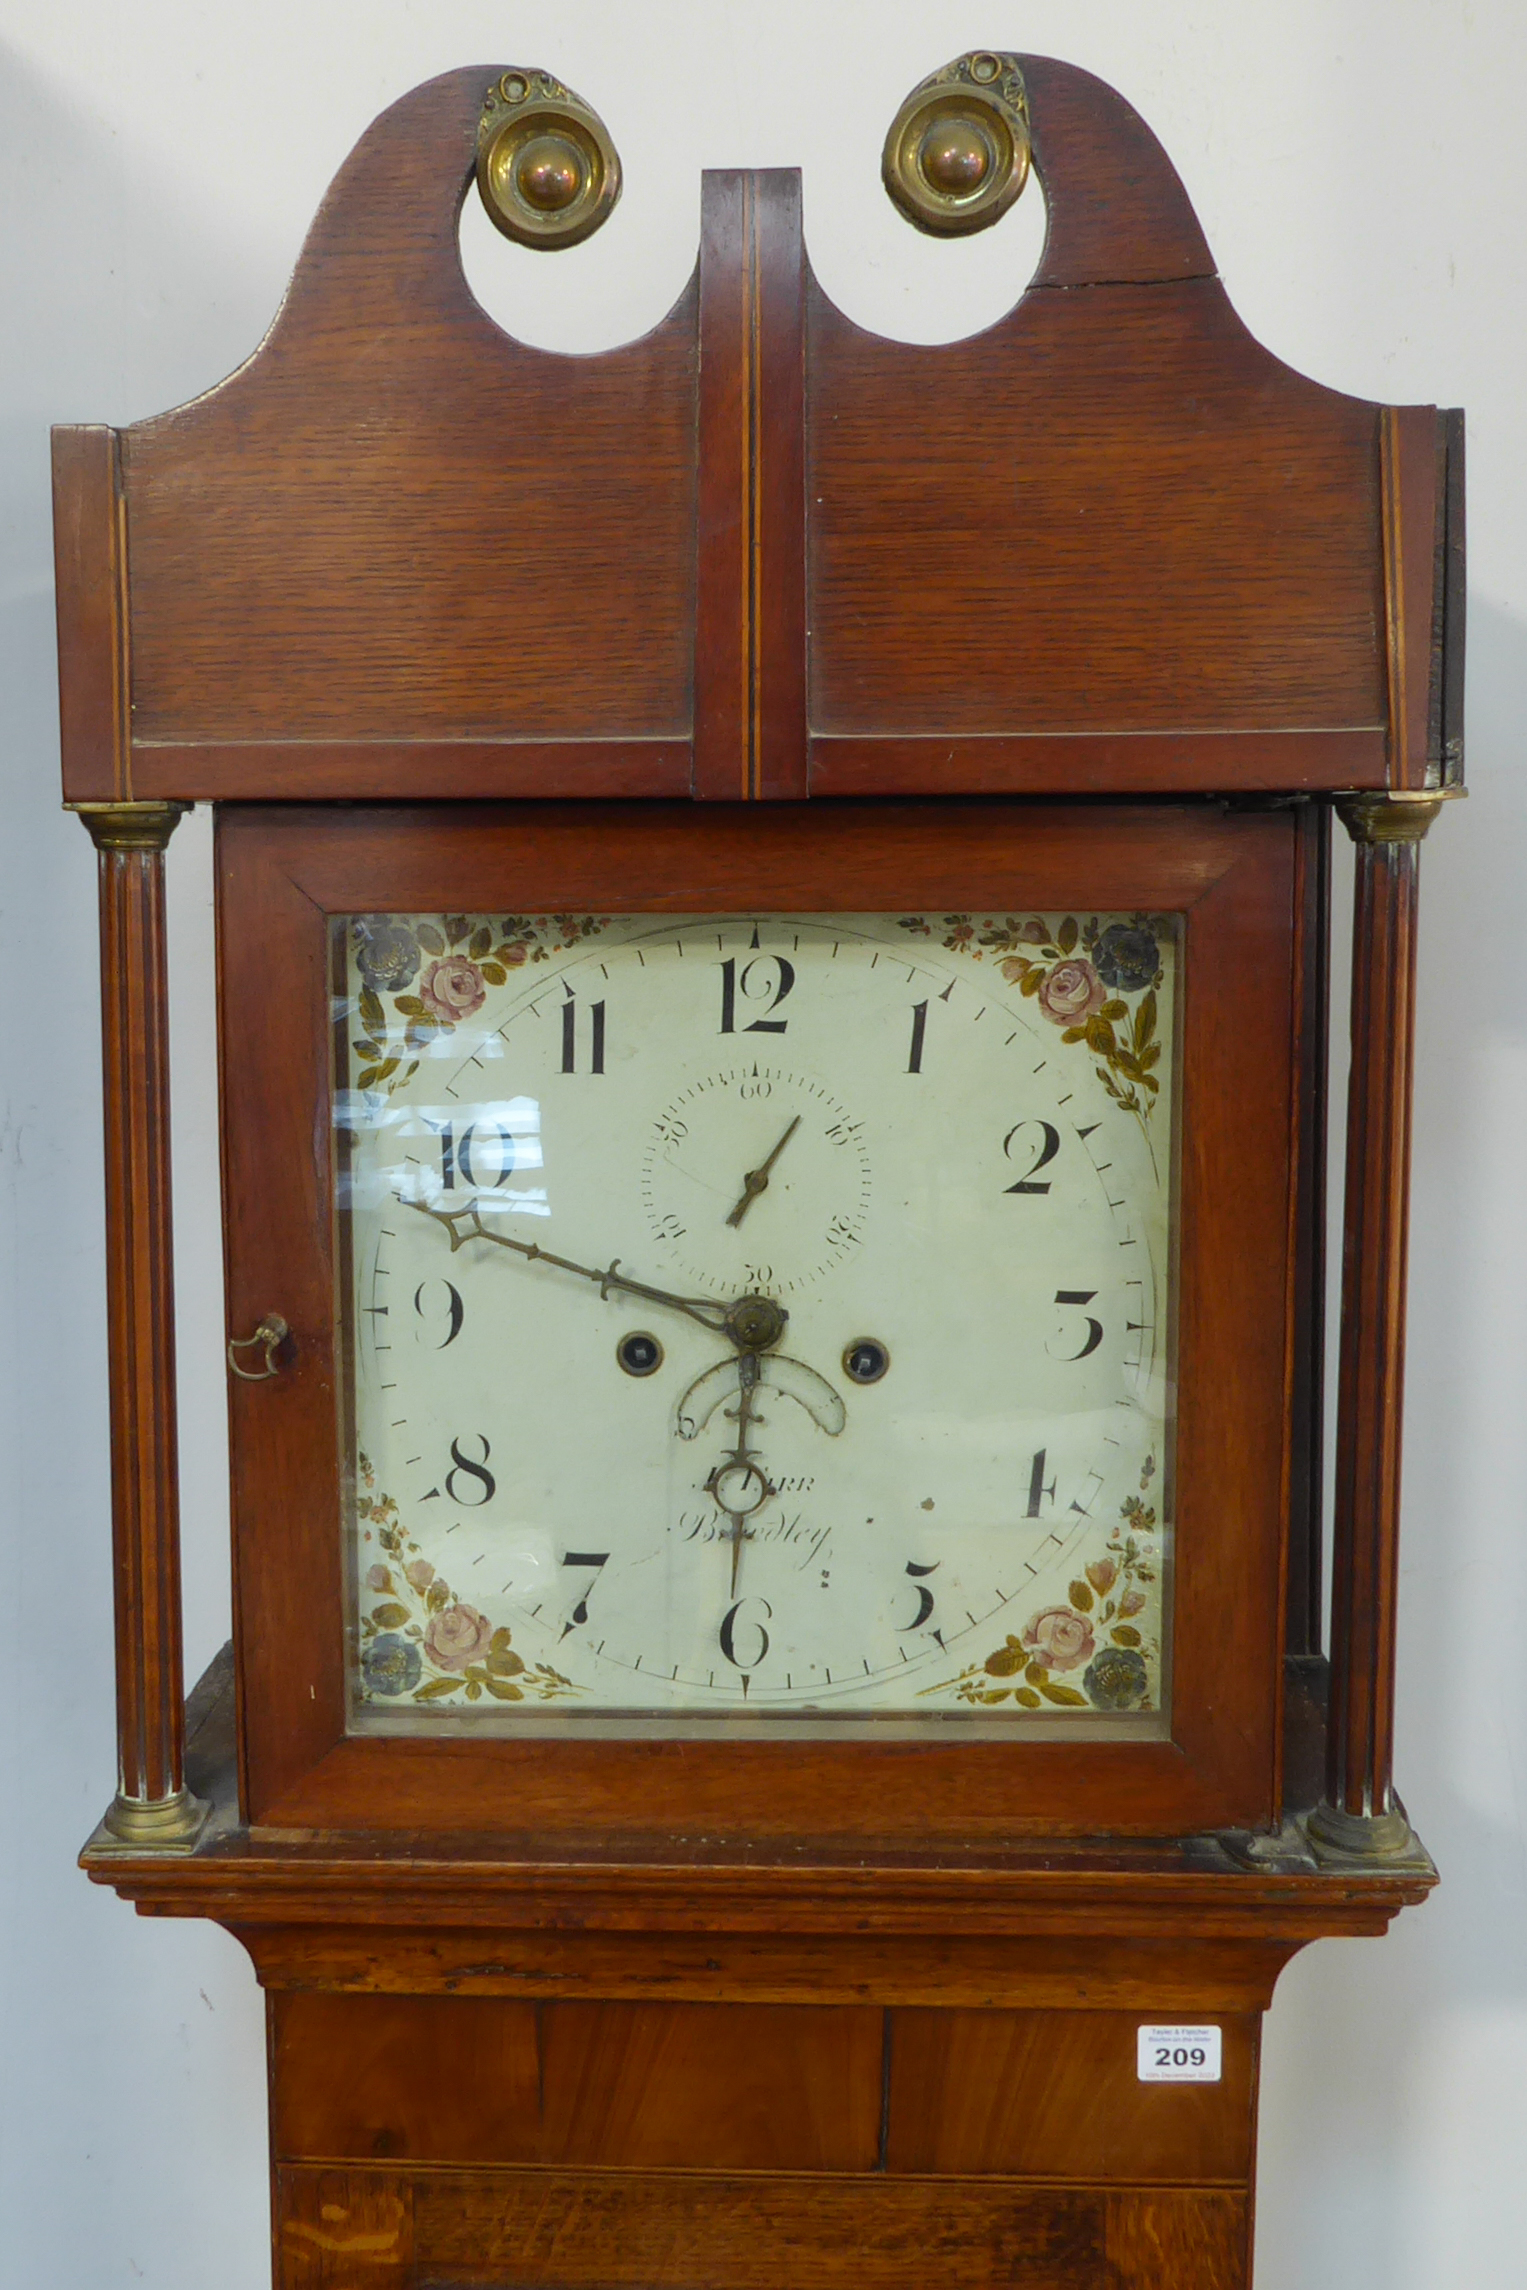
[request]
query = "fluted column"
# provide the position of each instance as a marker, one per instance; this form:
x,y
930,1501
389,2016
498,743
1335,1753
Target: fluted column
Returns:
x,y
1360,1818
152,1808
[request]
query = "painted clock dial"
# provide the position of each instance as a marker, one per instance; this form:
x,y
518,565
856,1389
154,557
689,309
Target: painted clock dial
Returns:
x,y
761,1318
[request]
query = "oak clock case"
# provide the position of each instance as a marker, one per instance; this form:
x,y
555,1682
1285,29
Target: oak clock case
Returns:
x,y
773,1130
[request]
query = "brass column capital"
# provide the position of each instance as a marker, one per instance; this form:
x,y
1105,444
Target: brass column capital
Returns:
x,y
1394,815
130,826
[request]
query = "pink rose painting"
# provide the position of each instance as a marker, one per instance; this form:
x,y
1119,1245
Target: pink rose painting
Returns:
x,y
1059,1639
420,1573
1133,1602
452,988
1071,993
456,1637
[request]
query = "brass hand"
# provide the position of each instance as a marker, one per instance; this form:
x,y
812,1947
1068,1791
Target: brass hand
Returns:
x,y
741,1466
717,1317
757,1180
814,1393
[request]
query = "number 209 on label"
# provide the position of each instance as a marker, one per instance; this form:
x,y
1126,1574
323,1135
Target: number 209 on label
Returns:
x,y
1178,2055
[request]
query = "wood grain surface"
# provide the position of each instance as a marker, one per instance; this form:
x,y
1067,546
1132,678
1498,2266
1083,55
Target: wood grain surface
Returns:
x,y
1110,545
750,627
1113,512
1370,1402
561,2230
90,583
140,1325
1055,2094
1413,474
396,522
468,2079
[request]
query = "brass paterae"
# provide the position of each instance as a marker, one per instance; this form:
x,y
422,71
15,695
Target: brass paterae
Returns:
x,y
957,154
546,167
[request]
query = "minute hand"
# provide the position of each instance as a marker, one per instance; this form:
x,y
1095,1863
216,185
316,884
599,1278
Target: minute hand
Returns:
x,y
710,1315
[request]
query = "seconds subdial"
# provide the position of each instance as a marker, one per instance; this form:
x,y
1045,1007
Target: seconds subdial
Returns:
x,y
777,1141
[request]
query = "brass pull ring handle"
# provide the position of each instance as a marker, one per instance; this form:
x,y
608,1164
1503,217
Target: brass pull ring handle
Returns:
x,y
272,1333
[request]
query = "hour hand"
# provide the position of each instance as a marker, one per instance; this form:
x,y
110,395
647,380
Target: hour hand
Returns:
x,y
757,1180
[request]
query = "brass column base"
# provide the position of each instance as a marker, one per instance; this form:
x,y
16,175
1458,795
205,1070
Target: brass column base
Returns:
x,y
1376,1841
153,1824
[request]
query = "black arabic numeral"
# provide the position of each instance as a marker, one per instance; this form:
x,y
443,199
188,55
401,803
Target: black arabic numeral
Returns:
x,y
447,1153
507,1156
919,1028
570,1036
456,1155
729,1633
478,1471
1039,1487
735,987
1094,1327
594,1559
924,1594
1049,1147
454,1310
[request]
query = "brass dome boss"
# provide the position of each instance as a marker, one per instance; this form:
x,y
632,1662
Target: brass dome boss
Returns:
x,y
958,152
546,167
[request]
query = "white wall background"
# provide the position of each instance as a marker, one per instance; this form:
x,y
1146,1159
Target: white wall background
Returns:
x,y
1361,173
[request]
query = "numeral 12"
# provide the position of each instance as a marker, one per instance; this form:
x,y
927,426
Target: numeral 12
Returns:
x,y
732,986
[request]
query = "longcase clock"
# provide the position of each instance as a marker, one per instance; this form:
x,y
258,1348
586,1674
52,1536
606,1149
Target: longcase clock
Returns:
x,y
773,894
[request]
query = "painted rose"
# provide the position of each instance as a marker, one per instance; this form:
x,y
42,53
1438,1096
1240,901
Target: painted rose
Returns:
x,y
452,988
513,956
377,1578
391,1665
1133,1602
1127,957
457,1636
1059,1638
1101,1573
421,1574
1071,992
1116,1679
387,954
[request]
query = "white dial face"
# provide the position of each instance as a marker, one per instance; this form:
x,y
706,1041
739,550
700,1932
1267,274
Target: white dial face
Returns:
x,y
761,1316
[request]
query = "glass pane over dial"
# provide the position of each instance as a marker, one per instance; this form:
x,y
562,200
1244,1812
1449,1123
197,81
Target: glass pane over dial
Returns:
x,y
760,1319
